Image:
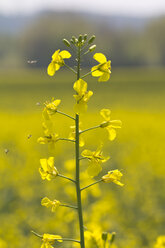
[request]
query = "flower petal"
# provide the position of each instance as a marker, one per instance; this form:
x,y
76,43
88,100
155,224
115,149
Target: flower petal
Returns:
x,y
51,69
105,77
100,57
111,132
80,86
105,113
65,54
87,153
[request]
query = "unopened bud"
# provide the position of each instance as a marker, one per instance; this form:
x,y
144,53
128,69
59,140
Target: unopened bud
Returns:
x,y
85,37
74,38
91,39
104,236
80,38
66,42
92,48
113,234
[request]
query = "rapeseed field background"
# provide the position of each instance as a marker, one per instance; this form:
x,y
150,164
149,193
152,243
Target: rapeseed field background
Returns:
x,y
136,211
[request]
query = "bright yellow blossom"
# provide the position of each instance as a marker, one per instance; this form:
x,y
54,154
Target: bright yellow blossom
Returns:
x,y
72,135
108,124
51,107
57,61
96,158
49,239
95,239
102,70
52,204
160,242
82,97
48,170
113,176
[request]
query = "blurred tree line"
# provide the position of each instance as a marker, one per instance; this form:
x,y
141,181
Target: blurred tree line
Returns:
x,y
125,47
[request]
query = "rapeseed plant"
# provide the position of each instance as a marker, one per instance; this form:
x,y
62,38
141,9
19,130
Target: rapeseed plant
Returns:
x,y
88,238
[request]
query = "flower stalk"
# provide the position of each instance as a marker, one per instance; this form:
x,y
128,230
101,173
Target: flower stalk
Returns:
x,y
78,191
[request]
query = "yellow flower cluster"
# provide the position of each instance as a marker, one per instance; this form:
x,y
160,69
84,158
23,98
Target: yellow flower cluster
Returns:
x,y
50,204
113,176
57,61
95,158
48,170
49,240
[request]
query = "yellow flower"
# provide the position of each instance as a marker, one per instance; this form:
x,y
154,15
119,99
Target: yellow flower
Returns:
x,y
113,176
48,139
95,239
160,242
96,158
103,70
57,61
48,170
49,239
51,107
108,124
48,203
82,97
72,135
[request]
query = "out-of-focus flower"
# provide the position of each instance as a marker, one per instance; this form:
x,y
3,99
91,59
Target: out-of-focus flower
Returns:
x,y
108,124
49,239
57,61
102,70
160,242
113,176
52,204
48,170
82,97
72,135
96,158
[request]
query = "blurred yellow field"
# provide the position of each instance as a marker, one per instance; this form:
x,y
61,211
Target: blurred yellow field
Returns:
x,y
136,211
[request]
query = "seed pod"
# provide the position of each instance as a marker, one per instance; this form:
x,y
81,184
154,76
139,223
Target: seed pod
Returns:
x,y
66,42
91,39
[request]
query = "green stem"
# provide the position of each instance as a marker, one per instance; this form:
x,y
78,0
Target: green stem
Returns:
x,y
65,114
66,139
88,129
78,191
67,178
70,68
38,235
86,74
68,206
91,184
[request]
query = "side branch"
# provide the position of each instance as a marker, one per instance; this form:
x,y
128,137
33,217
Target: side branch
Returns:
x,y
91,184
65,115
70,68
88,129
67,178
68,206
66,139
63,239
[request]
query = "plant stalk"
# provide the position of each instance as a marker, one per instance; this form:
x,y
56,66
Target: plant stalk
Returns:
x,y
78,191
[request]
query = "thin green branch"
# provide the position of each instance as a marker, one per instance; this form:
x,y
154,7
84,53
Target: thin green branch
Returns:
x,y
65,114
63,239
81,158
71,69
91,184
86,74
66,139
68,178
68,206
88,129
66,239
36,234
